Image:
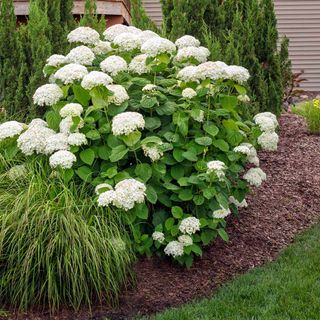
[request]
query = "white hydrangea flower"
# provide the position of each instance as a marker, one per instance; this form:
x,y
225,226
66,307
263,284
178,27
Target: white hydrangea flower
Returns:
x,y
255,176
252,157
71,110
187,41
237,73
17,172
114,31
152,152
158,236
188,74
158,45
267,115
114,65
67,123
77,139
102,187
213,70
120,94
56,60
127,122
47,95
243,98
10,129
189,93
102,47
139,64
85,35
189,225
63,159
38,123
174,249
34,139
268,141
146,35
81,55
149,88
242,149
134,30
185,240
242,204
199,53
221,213
266,124
94,79
106,198
127,41
128,193
70,73
217,167
56,142
200,117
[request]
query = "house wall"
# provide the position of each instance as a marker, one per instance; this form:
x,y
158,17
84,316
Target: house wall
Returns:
x,y
300,21
116,11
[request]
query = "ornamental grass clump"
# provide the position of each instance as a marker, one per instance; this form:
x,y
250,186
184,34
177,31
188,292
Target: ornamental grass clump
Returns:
x,y
57,248
310,110
157,130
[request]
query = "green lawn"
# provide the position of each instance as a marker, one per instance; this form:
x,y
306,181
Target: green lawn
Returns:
x,y
288,289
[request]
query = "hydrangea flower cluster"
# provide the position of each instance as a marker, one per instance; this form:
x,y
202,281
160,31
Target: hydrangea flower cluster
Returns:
x,y
268,124
126,194
155,128
126,123
10,129
218,167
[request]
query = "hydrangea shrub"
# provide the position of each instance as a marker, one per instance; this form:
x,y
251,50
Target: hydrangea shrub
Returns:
x,y
156,129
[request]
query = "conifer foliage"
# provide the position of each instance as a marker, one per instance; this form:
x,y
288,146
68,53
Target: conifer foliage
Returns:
x,y
9,56
25,48
237,32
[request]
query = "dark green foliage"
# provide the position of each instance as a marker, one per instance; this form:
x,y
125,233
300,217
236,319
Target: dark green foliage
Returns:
x,y
9,57
240,32
286,70
66,15
24,71
140,18
38,29
27,48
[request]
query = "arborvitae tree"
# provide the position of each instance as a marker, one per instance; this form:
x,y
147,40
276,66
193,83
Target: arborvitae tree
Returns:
x,y
40,47
24,71
91,18
167,7
66,15
178,20
9,57
139,17
230,24
57,32
286,66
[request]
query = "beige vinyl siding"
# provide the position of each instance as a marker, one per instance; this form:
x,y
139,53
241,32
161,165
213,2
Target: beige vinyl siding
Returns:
x,y
153,9
299,20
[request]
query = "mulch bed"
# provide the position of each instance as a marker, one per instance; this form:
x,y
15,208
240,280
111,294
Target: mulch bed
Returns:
x,y
283,206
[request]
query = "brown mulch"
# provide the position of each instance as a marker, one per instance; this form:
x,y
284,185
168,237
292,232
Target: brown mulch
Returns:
x,y
284,205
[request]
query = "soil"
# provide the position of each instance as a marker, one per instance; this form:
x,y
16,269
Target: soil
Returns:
x,y
283,206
